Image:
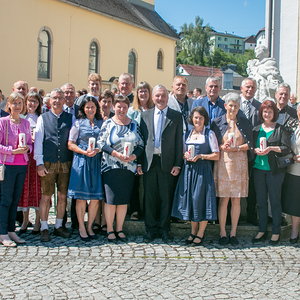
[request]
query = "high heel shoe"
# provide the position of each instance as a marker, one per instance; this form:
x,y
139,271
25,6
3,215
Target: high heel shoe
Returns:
x,y
295,240
273,243
261,239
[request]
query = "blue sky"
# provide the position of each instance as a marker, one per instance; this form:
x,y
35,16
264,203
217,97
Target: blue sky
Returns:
x,y
240,17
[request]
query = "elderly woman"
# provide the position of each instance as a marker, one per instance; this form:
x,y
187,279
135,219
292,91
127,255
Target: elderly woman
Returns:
x,y
14,151
268,177
85,179
195,197
234,134
142,101
31,193
118,164
290,195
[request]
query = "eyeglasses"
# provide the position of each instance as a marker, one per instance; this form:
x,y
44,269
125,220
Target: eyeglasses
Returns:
x,y
143,91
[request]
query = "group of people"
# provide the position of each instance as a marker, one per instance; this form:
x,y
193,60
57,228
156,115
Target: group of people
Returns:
x,y
191,157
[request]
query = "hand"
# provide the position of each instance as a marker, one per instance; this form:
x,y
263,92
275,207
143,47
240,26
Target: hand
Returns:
x,y
20,150
186,155
120,156
261,153
42,171
139,170
196,157
92,153
297,158
132,157
175,171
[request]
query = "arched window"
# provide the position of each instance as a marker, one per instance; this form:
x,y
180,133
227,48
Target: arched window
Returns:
x,y
132,64
94,57
44,53
159,60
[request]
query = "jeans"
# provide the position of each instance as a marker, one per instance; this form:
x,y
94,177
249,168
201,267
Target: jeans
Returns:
x,y
11,190
268,184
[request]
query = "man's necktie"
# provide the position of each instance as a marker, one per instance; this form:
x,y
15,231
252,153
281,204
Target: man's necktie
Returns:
x,y
159,129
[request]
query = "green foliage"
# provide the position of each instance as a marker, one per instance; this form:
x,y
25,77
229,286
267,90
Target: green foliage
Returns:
x,y
195,42
219,58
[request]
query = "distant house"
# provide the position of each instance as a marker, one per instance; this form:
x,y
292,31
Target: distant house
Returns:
x,y
250,42
197,76
260,37
228,42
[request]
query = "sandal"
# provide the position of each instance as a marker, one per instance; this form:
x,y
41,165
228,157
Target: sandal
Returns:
x,y
8,243
103,230
96,228
196,244
134,216
187,241
122,239
111,240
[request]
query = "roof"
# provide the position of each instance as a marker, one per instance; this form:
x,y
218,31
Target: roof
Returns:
x,y
260,31
127,12
225,34
250,39
201,71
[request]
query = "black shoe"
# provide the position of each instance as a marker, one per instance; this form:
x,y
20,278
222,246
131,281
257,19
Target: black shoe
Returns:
x,y
273,243
253,221
284,221
35,232
295,240
96,228
21,231
187,241
149,237
122,239
223,241
261,239
233,241
92,236
85,239
196,244
111,240
166,237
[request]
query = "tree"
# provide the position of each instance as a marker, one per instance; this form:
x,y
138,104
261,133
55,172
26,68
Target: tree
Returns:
x,y
195,42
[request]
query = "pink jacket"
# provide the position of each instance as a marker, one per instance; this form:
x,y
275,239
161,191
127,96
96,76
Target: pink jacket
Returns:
x,y
13,138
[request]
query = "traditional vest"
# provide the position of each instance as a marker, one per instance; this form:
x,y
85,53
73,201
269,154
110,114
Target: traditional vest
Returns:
x,y
56,134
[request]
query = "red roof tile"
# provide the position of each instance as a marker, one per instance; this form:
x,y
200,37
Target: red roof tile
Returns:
x,y
202,71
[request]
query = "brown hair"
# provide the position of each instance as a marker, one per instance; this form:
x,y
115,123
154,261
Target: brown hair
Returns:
x,y
268,104
202,111
121,99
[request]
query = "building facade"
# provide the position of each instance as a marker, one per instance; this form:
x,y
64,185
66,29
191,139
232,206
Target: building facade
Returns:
x,y
228,42
51,42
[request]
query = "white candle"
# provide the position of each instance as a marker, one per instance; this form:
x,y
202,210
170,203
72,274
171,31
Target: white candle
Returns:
x,y
33,133
263,143
91,146
22,140
191,151
231,137
127,148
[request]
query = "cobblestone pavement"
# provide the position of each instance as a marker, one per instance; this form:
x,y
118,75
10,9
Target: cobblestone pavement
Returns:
x,y
72,269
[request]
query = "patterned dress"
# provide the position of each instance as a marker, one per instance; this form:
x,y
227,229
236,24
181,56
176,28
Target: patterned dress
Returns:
x,y
231,171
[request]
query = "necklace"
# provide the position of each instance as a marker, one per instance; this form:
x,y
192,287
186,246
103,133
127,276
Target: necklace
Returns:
x,y
196,135
15,121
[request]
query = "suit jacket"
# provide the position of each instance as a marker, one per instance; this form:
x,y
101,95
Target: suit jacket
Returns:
x,y
171,140
254,108
205,103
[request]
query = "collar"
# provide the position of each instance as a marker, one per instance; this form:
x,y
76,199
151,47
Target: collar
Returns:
x,y
283,110
56,114
72,107
93,96
209,101
244,99
156,110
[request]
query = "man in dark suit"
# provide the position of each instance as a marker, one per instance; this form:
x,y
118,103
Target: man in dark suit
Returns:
x,y
286,113
250,108
213,104
161,127
70,95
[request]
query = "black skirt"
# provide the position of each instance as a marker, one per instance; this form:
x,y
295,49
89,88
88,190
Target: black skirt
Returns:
x,y
118,185
290,195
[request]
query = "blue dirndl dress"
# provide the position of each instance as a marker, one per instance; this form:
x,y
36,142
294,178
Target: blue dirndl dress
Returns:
x,y
85,179
195,195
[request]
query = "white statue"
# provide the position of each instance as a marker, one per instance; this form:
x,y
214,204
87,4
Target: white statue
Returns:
x,y
265,71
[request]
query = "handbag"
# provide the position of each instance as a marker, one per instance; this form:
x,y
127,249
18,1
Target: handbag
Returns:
x,y
284,161
2,166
